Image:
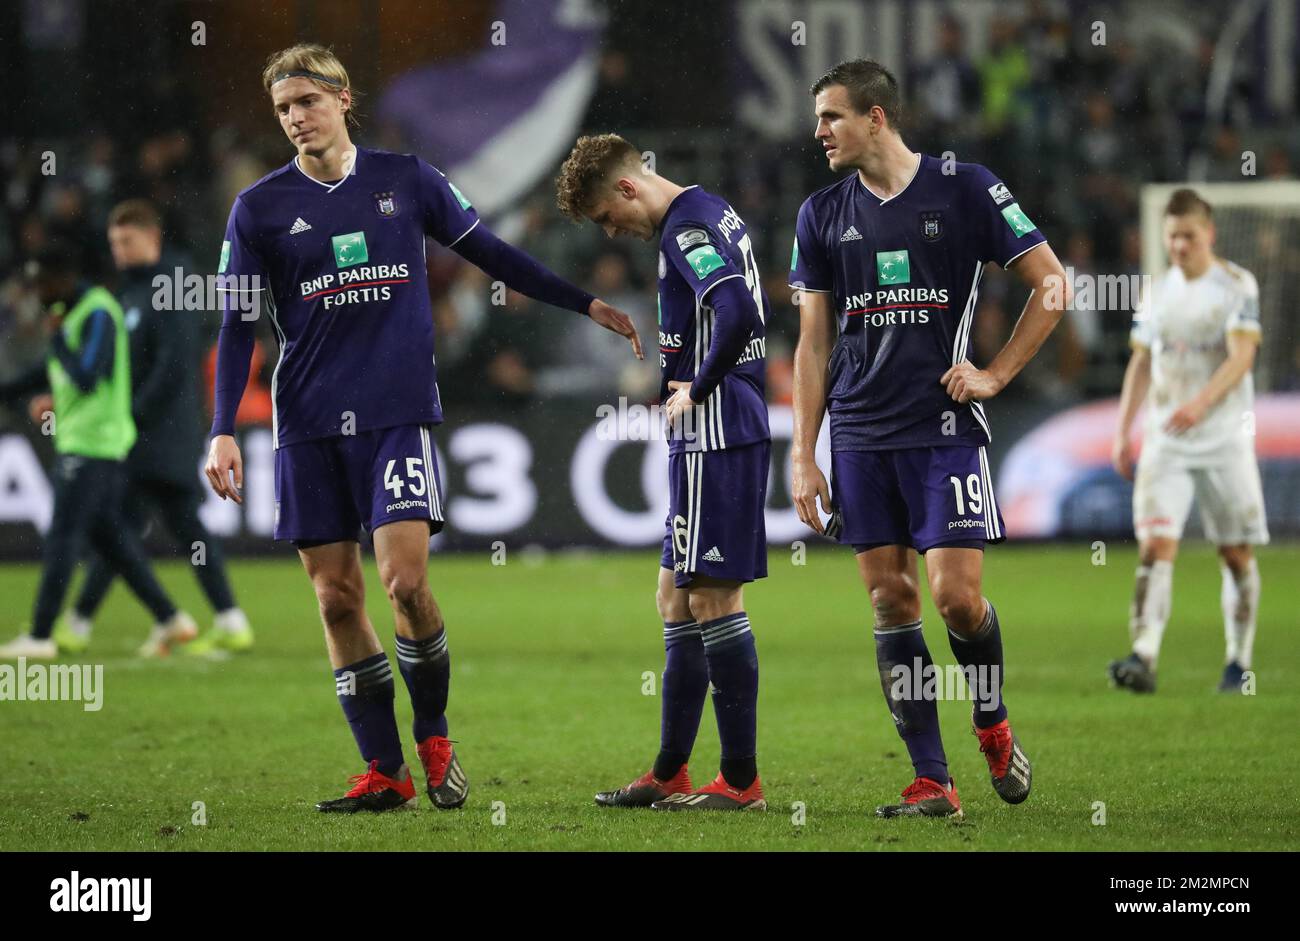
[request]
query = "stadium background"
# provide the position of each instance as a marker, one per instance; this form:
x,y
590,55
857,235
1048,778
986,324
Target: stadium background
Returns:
x,y
164,100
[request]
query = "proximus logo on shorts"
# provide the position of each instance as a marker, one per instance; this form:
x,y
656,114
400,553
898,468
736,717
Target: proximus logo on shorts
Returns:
x,y
406,505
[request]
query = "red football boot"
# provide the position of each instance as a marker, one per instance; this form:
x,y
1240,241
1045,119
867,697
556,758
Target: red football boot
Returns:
x,y
447,785
716,796
1008,764
374,792
925,798
645,790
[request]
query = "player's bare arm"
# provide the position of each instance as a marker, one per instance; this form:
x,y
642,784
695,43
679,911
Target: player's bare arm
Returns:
x,y
1051,295
1137,379
1242,345
811,357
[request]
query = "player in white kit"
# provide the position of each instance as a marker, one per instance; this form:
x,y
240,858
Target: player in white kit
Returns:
x,y
1194,340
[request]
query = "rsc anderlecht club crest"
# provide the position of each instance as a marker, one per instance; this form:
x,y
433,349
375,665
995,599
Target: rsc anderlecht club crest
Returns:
x,y
385,205
932,226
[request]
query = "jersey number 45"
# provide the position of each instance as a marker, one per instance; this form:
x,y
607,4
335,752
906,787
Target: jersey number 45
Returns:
x,y
414,474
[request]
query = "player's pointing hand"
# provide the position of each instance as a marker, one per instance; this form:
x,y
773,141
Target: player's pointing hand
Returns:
x,y
224,460
965,383
611,318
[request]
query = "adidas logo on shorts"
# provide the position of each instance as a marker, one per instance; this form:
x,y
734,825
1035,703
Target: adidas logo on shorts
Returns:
x,y
713,555
299,226
851,234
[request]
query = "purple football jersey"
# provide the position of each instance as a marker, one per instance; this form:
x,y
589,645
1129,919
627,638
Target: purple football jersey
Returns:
x,y
343,282
703,243
904,276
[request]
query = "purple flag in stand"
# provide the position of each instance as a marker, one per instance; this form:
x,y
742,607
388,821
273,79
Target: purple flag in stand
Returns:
x,y
497,121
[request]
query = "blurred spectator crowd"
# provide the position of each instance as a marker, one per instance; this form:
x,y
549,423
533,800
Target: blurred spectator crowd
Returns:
x,y
1074,128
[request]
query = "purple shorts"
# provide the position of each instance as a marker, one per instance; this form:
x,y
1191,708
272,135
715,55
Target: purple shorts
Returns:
x,y
925,498
331,489
715,524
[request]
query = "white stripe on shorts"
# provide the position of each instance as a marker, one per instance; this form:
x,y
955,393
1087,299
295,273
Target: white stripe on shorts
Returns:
x,y
435,505
990,502
694,490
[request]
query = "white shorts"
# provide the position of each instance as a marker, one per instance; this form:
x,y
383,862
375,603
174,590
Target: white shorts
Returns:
x,y
1229,494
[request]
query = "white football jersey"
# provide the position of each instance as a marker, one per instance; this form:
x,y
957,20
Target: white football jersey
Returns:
x,y
1185,324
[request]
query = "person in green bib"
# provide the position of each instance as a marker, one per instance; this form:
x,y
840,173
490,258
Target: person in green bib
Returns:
x,y
161,471
88,373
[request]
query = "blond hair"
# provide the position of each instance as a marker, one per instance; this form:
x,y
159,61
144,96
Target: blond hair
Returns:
x,y
317,59
590,165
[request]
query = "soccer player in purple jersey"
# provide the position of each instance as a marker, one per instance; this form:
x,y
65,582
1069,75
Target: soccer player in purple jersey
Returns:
x,y
331,246
888,261
712,352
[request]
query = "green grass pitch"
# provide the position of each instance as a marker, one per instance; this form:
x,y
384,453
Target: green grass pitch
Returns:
x,y
547,705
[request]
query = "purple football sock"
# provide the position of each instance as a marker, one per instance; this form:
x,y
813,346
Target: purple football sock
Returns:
x,y
905,666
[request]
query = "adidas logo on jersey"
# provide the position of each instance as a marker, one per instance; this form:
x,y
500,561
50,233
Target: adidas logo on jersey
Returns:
x,y
713,555
851,234
299,226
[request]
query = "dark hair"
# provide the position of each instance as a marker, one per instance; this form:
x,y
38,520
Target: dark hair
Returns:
x,y
56,257
137,212
1186,202
869,84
